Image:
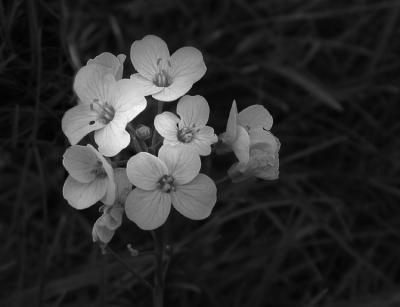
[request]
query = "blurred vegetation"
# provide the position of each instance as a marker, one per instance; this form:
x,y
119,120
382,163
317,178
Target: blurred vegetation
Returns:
x,y
325,234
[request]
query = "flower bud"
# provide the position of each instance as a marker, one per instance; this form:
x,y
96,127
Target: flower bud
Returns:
x,y
143,132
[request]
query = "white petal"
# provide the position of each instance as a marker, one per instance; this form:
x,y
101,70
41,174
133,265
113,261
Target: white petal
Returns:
x,y
112,138
201,148
241,145
188,63
80,162
196,199
123,184
121,58
255,116
110,62
183,163
193,111
179,87
166,125
110,195
147,86
79,121
129,100
232,126
83,195
106,165
203,140
145,170
187,68
269,173
148,209
112,216
91,82
260,136
146,53
101,232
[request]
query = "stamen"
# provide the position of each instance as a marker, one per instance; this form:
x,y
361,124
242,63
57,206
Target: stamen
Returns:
x,y
186,134
166,184
99,170
162,77
105,111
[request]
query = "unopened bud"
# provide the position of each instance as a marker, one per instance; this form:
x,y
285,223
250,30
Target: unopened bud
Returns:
x,y
143,132
134,252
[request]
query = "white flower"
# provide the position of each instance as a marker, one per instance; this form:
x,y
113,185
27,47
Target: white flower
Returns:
x,y
111,63
174,178
91,177
106,225
257,150
190,129
248,127
166,77
106,106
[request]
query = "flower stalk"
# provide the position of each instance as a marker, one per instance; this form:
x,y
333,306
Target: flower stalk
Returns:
x,y
158,290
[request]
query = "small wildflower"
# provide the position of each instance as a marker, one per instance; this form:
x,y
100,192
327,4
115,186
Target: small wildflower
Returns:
x,y
257,150
91,177
106,106
171,178
190,129
165,77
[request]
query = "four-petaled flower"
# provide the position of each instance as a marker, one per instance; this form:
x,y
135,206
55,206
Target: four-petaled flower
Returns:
x,y
111,218
91,177
257,150
106,106
172,177
165,77
248,127
190,129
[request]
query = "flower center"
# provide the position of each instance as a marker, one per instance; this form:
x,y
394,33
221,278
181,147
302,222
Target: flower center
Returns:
x,y
166,184
162,77
105,111
185,135
99,170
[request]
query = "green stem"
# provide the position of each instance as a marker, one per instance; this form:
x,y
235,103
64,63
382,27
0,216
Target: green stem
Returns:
x,y
135,144
158,290
160,105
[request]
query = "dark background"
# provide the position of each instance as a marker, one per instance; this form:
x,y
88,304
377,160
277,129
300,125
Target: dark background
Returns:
x,y
325,234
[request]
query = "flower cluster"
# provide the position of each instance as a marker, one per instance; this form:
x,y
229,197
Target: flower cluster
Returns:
x,y
166,173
